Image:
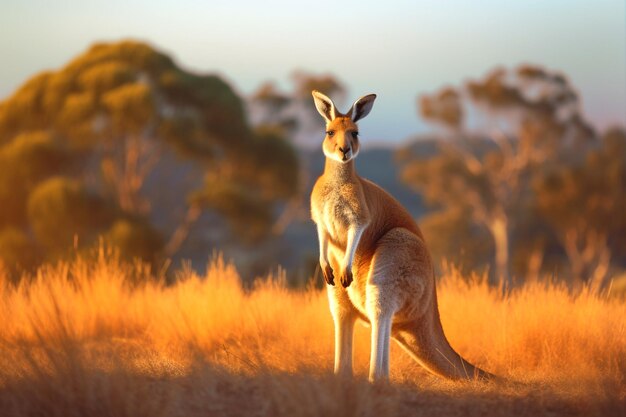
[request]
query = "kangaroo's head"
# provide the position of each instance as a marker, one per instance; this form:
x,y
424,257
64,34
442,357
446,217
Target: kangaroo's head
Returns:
x,y
342,134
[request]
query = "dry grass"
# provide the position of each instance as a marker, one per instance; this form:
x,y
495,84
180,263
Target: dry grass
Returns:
x,y
81,339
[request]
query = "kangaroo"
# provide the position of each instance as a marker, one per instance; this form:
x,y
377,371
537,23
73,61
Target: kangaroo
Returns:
x,y
374,248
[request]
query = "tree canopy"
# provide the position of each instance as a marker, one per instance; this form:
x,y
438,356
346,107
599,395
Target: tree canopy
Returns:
x,y
519,165
77,146
294,113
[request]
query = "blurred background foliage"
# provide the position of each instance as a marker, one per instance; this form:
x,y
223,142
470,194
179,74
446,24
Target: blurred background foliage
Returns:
x,y
87,152
123,147
531,185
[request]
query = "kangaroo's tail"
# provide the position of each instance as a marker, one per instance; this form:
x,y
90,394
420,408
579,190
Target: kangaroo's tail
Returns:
x,y
426,342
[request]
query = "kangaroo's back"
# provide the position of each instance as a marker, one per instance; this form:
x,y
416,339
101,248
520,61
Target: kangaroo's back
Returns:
x,y
387,212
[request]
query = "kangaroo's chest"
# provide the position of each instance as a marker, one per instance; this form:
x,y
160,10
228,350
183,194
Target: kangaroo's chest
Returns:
x,y
337,216
338,210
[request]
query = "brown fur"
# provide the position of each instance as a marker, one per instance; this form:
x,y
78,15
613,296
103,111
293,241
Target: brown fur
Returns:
x,y
389,281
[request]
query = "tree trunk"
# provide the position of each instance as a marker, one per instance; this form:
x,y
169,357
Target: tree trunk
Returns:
x,y
589,256
125,169
182,231
500,233
535,260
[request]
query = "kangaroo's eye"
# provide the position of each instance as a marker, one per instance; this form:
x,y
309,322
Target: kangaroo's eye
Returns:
x,y
355,135
330,133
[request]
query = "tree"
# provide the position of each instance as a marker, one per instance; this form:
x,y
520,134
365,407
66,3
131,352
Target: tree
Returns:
x,y
61,210
452,237
585,204
112,119
520,119
28,159
293,114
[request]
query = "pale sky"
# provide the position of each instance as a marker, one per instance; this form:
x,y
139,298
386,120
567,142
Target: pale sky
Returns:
x,y
397,49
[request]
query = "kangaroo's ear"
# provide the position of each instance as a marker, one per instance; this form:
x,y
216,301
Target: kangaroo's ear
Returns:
x,y
324,105
362,107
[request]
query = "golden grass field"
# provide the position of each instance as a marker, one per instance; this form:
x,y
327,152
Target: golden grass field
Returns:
x,y
104,338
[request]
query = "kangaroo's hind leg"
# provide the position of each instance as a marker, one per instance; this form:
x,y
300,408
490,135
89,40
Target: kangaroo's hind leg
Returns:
x,y
392,292
380,315
344,317
382,302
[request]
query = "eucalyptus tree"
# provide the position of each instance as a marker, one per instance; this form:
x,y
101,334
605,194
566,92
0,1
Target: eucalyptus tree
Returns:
x,y
79,145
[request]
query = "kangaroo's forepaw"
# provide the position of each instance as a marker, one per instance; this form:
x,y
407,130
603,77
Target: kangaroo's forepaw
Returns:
x,y
346,277
327,271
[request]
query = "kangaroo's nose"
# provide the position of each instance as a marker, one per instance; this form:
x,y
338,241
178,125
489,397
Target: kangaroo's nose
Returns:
x,y
344,151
